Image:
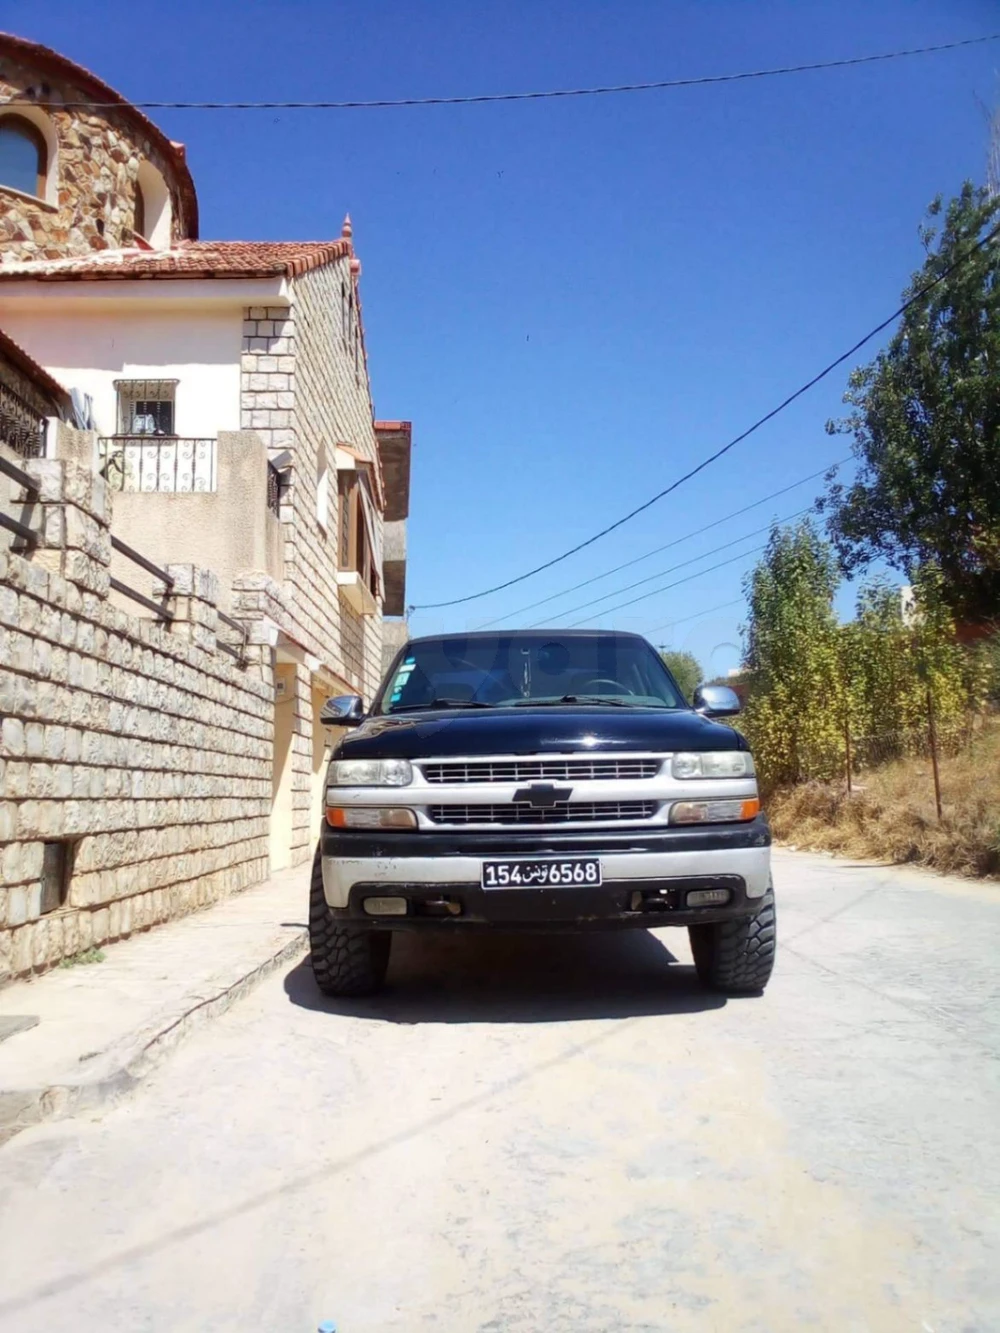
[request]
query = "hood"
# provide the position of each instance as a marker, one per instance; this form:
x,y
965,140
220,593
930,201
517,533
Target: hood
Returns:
x,y
526,731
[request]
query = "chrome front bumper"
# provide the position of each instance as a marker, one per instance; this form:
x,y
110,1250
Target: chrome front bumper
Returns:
x,y
341,873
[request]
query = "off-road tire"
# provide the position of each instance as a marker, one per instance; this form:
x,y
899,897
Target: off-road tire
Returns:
x,y
345,959
737,956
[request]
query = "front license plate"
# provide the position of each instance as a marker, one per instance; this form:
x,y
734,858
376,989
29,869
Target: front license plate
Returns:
x,y
569,872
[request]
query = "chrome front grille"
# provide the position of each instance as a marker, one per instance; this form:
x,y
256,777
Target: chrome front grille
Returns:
x,y
541,770
564,812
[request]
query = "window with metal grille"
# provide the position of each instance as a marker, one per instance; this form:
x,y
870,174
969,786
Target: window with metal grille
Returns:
x,y
146,407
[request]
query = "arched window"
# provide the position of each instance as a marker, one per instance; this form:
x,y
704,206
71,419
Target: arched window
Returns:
x,y
24,156
153,213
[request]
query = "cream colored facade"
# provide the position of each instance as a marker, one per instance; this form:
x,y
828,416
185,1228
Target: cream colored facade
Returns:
x,y
284,381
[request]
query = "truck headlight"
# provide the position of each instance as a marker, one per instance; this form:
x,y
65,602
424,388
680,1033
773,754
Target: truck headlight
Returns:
x,y
713,812
370,773
713,764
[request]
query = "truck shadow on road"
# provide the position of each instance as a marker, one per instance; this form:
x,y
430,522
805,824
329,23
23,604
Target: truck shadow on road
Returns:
x,y
520,979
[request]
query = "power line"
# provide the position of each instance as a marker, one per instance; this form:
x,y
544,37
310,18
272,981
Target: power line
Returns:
x,y
698,615
660,573
683,564
754,550
738,439
479,98
832,467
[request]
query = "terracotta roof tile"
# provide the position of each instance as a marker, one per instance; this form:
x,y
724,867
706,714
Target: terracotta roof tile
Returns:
x,y
189,259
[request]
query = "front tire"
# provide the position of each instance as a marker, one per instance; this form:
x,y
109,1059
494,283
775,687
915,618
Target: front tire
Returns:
x,y
347,960
737,956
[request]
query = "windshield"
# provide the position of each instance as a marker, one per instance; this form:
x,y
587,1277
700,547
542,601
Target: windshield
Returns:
x,y
514,670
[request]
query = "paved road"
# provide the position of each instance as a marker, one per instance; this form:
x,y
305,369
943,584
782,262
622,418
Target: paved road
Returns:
x,y
566,1135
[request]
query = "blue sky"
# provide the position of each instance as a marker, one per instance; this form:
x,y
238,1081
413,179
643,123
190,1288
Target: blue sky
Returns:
x,y
575,300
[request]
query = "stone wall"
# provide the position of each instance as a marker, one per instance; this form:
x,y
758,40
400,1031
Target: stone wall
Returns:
x,y
332,406
304,391
142,749
98,157
301,393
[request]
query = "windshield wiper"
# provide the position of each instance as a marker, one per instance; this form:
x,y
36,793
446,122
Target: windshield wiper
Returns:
x,y
575,699
441,703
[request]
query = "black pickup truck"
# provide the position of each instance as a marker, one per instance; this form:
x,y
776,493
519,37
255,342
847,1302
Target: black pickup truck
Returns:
x,y
539,780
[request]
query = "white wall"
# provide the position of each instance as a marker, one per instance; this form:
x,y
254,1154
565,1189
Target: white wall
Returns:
x,y
90,349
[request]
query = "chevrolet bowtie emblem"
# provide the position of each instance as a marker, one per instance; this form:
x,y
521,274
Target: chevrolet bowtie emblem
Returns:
x,y
543,796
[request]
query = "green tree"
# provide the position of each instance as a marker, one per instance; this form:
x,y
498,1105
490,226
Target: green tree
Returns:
x,y
685,669
794,713
926,422
878,672
941,668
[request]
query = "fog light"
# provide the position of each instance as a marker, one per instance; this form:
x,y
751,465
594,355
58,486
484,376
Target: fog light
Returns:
x,y
385,906
370,816
707,897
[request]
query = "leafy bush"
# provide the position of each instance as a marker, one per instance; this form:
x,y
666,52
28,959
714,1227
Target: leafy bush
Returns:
x,y
815,684
795,704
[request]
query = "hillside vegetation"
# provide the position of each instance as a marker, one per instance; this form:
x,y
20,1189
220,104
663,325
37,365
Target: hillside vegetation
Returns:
x,y
890,816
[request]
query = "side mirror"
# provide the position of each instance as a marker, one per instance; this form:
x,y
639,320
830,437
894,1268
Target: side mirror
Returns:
x,y
716,701
347,710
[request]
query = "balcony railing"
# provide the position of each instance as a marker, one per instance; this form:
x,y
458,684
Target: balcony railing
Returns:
x,y
158,463
21,427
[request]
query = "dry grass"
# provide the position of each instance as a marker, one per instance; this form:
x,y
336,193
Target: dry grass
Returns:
x,y
891,815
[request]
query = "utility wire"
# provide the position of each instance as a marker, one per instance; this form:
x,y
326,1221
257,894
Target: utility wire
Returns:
x,y
832,467
658,86
698,615
661,573
754,550
738,439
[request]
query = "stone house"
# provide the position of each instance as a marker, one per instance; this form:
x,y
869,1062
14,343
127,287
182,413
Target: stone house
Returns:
x,y
222,392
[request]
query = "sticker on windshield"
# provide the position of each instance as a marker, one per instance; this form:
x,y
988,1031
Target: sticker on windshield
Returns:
x,y
403,674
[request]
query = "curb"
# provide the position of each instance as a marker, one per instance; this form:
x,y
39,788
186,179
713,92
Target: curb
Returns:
x,y
135,1058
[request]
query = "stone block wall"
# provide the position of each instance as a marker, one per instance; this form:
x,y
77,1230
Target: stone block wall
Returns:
x,y
332,406
301,392
142,749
